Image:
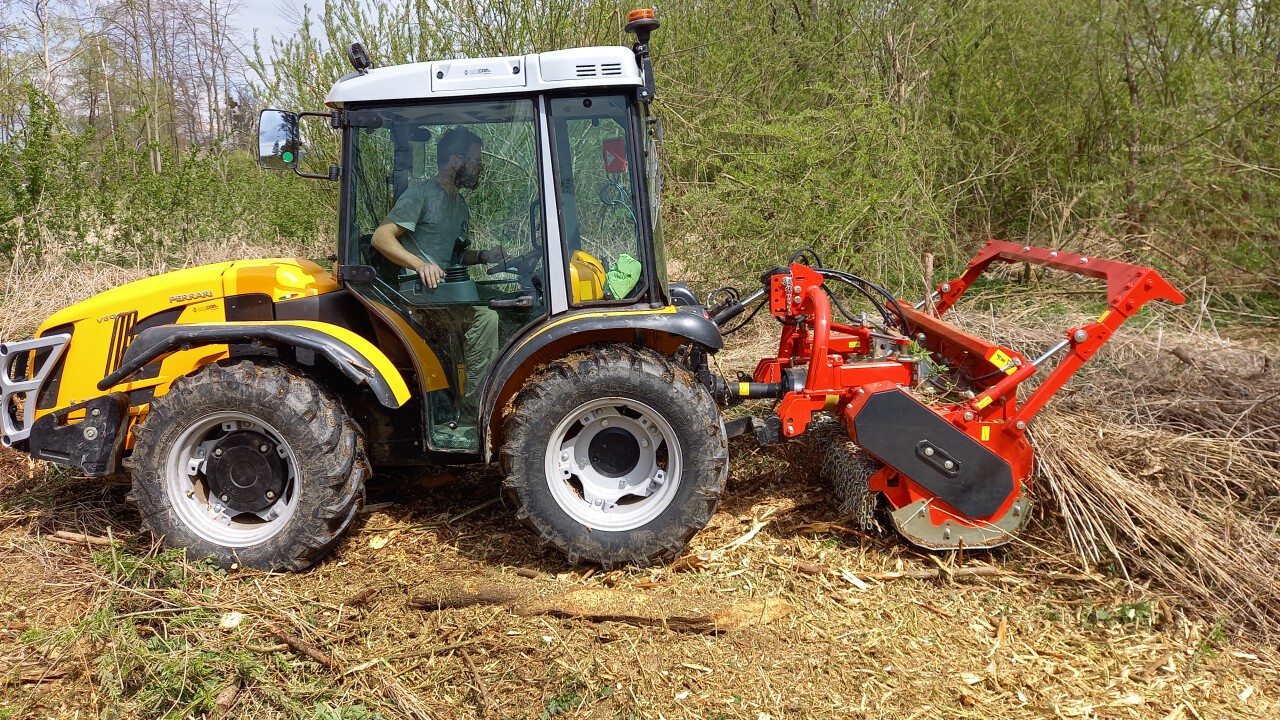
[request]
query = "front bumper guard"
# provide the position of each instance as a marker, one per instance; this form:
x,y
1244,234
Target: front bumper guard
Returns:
x,y
20,385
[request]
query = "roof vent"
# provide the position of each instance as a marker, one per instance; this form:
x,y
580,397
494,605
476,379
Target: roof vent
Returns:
x,y
611,69
587,70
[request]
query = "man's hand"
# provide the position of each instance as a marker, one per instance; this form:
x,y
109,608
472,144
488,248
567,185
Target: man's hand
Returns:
x,y
494,255
430,274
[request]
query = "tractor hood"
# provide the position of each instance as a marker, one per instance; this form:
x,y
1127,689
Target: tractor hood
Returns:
x,y
198,291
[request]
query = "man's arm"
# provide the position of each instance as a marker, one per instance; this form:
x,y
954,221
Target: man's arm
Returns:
x,y
386,240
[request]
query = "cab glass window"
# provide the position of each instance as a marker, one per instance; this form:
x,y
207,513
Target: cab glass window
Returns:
x,y
600,223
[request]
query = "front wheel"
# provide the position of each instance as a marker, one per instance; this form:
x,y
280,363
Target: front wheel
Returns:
x,y
249,464
615,456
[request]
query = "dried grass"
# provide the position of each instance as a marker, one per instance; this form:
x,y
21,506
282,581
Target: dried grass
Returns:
x,y
1162,457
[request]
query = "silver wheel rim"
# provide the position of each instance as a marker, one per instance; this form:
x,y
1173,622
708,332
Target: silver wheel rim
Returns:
x,y
188,489
598,496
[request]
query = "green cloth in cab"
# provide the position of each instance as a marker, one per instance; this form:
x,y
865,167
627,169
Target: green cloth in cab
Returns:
x,y
623,277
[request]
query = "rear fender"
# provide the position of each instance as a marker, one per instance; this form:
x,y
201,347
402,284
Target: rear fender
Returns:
x,y
664,330
355,357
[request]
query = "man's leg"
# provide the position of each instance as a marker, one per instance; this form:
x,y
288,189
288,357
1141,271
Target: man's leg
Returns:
x,y
482,347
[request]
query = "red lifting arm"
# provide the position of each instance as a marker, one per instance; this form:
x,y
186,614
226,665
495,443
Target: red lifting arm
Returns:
x,y
1129,287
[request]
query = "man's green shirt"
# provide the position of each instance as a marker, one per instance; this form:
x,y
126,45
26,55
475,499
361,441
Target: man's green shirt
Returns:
x,y
434,220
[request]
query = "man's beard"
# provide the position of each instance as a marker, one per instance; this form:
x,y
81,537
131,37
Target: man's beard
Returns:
x,y
468,180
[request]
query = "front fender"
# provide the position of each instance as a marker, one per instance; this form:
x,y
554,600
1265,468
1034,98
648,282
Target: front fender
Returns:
x,y
354,356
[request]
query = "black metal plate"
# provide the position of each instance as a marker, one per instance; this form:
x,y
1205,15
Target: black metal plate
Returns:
x,y
94,443
895,427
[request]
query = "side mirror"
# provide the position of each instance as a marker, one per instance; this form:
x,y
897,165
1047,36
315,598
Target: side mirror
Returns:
x,y
279,142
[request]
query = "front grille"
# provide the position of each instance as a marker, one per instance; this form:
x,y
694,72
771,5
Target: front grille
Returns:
x,y
120,339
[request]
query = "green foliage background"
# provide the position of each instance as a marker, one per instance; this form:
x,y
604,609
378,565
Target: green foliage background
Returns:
x,y
873,130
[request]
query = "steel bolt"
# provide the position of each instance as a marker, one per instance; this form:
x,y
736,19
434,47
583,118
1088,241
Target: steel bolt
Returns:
x,y
270,495
622,484
217,452
644,443
1084,260
604,423
1026,248
91,433
224,498
1021,424
95,412
928,452
949,465
1080,336
1053,254
564,456
946,287
264,447
968,416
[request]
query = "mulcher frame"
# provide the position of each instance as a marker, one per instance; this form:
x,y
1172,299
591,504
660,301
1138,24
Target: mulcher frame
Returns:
x,y
962,466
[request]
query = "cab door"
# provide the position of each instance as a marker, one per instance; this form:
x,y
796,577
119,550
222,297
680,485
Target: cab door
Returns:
x,y
399,174
604,224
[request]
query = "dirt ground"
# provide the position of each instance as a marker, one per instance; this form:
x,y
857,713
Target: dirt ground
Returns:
x,y
121,631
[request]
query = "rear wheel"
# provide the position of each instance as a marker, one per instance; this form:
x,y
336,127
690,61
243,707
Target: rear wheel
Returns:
x,y
615,456
249,464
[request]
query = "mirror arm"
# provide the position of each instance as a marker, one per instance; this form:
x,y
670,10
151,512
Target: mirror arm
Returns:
x,y
335,172
335,121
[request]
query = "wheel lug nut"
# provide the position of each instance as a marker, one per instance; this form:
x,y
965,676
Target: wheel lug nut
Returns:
x,y
644,443
264,447
217,452
604,423
270,495
224,498
622,484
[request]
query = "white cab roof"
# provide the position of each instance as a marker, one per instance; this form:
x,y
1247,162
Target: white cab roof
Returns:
x,y
557,70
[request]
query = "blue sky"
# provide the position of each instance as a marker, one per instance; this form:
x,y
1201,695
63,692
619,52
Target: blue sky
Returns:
x,y
268,17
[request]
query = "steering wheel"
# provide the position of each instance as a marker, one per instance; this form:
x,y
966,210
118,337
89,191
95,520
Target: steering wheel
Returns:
x,y
524,266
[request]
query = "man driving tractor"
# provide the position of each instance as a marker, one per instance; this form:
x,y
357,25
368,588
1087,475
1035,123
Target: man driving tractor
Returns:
x,y
420,233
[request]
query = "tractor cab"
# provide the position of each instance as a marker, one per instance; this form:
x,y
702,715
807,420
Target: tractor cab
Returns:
x,y
481,199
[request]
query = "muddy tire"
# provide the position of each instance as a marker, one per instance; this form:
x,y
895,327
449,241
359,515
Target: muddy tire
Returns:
x,y
615,456
249,464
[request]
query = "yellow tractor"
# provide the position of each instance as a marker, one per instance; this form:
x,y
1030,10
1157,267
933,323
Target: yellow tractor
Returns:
x,y
248,399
